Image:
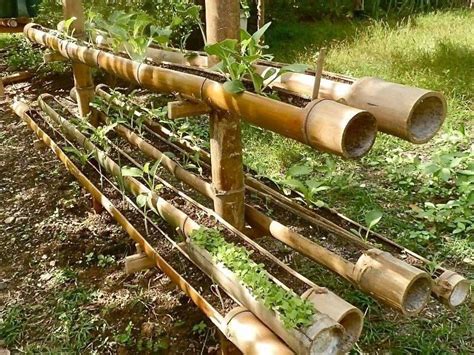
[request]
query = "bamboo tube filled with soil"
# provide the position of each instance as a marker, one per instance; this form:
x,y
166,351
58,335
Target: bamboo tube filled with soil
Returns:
x,y
232,325
324,334
324,124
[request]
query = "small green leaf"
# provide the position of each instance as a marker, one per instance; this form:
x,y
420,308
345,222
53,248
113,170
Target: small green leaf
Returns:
x,y
141,200
299,170
234,86
130,171
372,218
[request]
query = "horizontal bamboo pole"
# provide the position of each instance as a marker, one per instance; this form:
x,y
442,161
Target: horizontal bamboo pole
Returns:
x,y
324,124
453,290
17,77
230,326
324,332
410,113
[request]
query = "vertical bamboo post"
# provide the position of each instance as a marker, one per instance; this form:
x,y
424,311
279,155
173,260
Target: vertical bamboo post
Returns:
x,y
82,74
223,21
319,73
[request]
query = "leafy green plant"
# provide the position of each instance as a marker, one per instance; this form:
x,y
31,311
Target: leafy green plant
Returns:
x,y
199,328
125,338
299,178
293,311
12,322
238,59
130,32
79,155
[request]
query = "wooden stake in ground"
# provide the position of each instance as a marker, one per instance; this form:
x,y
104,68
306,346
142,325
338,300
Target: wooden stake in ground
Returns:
x,y
223,21
82,74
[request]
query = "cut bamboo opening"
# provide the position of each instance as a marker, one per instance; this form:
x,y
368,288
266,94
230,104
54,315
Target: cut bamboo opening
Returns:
x,y
230,325
312,125
323,335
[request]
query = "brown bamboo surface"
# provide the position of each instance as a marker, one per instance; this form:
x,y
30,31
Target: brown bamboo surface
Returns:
x,y
325,125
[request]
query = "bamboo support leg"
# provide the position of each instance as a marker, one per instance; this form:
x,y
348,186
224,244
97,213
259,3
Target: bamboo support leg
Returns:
x,y
2,90
82,74
227,168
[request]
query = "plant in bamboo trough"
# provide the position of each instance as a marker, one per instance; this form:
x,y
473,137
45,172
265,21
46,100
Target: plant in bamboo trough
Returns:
x,y
292,310
132,32
238,60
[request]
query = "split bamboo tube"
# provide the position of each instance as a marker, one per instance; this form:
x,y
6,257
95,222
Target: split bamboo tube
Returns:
x,y
324,124
410,113
378,273
234,326
323,336
352,318
453,291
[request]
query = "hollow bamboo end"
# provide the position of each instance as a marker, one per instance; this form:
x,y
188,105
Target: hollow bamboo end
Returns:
x,y
340,129
359,135
410,113
393,281
426,118
249,334
20,108
452,288
347,315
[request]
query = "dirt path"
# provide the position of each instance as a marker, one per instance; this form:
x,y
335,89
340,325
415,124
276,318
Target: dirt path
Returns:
x,y
62,285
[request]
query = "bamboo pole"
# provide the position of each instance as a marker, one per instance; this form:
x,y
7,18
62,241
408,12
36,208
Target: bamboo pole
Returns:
x,y
83,81
223,22
234,327
324,333
325,125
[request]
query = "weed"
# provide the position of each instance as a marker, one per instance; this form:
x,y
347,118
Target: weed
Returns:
x,y
12,323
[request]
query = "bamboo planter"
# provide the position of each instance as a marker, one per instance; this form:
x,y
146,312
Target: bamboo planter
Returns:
x,y
236,323
331,340
453,290
410,113
325,125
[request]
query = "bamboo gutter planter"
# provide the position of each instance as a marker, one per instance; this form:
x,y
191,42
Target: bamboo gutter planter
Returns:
x,y
324,124
240,326
410,113
324,335
344,313
409,291
450,287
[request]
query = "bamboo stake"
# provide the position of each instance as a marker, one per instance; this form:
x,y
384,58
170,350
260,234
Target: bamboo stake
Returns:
x,y
223,22
319,72
83,81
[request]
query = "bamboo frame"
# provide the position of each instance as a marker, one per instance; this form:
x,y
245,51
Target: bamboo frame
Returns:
x,y
453,291
232,328
352,131
179,220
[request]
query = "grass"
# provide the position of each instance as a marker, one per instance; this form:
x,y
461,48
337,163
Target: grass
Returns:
x,y
435,51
